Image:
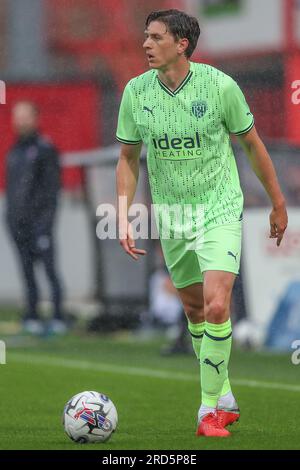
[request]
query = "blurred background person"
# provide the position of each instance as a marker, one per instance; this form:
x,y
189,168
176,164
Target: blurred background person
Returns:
x,y
33,182
165,310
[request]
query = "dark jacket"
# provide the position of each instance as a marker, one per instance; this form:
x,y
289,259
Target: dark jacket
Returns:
x,y
33,183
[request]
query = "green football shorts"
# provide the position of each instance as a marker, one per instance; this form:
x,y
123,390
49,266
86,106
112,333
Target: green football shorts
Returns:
x,y
218,249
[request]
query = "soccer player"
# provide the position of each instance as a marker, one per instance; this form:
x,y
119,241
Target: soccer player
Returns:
x,y
185,113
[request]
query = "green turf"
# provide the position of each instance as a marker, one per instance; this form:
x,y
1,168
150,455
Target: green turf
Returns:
x,y
154,412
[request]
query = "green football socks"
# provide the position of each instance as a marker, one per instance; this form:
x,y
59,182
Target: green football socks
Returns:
x,y
220,331
196,331
214,358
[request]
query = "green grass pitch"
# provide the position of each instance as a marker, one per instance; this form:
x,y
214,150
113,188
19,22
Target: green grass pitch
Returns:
x,y
157,398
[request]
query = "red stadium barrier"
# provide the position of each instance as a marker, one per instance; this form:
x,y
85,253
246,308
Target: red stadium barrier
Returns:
x,y
106,32
69,115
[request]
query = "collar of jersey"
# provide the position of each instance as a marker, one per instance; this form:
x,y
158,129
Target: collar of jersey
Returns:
x,y
179,88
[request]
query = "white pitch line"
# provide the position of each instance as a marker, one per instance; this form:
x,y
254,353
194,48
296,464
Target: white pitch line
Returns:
x,y
269,385
140,371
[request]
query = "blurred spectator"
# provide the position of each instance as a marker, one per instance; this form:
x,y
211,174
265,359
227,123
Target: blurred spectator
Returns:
x,y
165,309
33,182
165,305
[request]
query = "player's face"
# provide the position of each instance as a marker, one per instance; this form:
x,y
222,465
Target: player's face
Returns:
x,y
24,118
160,46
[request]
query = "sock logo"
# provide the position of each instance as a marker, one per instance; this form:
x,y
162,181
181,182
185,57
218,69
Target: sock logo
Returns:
x,y
231,254
215,366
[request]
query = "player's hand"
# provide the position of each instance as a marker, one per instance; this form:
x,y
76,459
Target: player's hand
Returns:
x,y
278,223
127,241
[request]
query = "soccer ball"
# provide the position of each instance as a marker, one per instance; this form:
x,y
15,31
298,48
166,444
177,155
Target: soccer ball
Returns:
x,y
90,417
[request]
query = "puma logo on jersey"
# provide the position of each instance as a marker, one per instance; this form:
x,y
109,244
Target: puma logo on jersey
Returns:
x,y
234,256
215,366
145,108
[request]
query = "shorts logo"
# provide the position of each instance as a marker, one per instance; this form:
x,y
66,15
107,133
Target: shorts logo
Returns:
x,y
199,108
234,256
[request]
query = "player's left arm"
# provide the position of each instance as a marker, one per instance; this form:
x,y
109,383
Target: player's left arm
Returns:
x,y
262,165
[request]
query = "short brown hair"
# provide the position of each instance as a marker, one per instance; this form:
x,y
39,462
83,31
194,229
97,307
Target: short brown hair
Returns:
x,y
180,25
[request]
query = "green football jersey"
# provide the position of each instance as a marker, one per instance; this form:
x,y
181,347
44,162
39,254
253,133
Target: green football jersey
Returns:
x,y
187,133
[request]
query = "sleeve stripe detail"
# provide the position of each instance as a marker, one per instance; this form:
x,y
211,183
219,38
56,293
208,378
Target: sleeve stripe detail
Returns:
x,y
245,130
131,142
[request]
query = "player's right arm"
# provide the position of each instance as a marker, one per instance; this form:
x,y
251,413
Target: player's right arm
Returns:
x,y
127,179
127,170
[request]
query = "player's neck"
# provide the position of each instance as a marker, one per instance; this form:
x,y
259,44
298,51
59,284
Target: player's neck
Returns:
x,y
173,75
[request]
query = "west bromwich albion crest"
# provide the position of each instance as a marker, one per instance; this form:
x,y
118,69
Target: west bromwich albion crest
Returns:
x,y
199,108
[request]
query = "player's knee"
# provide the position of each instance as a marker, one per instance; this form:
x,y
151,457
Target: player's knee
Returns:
x,y
215,311
195,313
